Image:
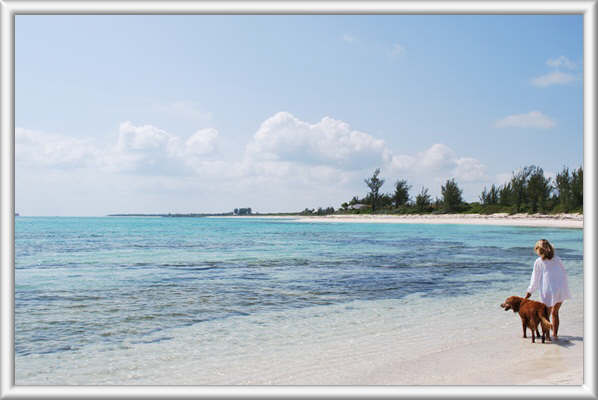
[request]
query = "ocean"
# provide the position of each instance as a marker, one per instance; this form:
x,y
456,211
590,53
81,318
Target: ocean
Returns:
x,y
141,300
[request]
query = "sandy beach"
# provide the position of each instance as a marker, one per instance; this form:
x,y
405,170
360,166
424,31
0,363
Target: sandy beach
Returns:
x,y
453,350
500,357
574,221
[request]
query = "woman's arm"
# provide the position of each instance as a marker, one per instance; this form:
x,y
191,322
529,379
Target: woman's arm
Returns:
x,y
534,281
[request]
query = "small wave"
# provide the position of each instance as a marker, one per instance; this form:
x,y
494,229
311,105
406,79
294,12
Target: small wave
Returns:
x,y
56,350
156,340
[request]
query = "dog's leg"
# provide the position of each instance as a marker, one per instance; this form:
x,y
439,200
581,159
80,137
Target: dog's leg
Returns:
x,y
531,328
546,333
543,335
524,324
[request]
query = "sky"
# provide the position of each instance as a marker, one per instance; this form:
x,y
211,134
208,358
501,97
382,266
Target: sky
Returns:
x,y
200,113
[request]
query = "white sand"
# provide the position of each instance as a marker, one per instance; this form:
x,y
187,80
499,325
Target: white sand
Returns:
x,y
531,220
499,358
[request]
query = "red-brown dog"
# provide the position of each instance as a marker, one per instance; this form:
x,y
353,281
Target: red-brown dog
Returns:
x,y
532,313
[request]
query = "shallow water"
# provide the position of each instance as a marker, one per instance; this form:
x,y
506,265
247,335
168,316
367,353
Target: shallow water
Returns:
x,y
125,300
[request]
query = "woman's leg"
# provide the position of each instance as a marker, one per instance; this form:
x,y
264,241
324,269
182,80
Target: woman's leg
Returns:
x,y
554,311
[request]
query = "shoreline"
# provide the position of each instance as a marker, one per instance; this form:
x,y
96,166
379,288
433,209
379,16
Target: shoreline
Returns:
x,y
378,343
571,221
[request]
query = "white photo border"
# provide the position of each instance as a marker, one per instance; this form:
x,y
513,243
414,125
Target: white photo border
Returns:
x,y
10,8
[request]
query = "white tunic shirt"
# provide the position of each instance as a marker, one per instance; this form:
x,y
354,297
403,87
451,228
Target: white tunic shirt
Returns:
x,y
550,278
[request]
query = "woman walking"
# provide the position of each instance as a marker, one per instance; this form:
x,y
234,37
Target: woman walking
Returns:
x,y
550,278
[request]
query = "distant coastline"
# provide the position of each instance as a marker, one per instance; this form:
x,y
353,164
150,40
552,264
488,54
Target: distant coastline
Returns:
x,y
171,215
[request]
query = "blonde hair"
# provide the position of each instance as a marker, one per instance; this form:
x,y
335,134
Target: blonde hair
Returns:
x,y
544,249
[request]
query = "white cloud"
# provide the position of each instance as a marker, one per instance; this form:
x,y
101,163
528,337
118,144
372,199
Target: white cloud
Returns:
x,y
149,149
438,156
328,142
144,138
561,61
533,119
143,149
438,163
286,151
553,78
35,148
288,164
556,77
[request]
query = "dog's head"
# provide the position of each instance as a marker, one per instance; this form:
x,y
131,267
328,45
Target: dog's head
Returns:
x,y
512,303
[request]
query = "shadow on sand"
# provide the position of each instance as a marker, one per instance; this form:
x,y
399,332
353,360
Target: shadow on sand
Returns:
x,y
567,341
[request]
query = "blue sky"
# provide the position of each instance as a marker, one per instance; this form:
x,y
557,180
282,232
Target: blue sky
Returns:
x,y
279,113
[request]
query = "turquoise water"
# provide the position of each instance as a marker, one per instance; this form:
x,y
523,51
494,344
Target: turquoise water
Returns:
x,y
93,282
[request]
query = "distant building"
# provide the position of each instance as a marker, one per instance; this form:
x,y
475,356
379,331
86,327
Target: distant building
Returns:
x,y
358,206
242,211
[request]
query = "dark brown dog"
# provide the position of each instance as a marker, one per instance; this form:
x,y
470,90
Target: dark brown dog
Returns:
x,y
532,313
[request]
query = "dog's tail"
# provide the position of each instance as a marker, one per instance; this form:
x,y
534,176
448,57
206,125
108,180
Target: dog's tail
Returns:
x,y
546,325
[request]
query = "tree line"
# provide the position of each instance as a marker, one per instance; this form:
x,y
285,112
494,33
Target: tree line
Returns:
x,y
528,190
